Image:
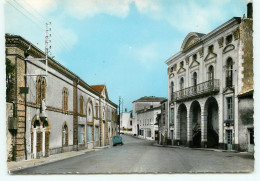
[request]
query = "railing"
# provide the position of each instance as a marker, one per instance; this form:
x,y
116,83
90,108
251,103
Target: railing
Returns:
x,y
205,88
196,129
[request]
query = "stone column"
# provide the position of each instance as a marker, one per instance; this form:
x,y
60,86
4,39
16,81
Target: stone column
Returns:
x,y
203,129
189,128
43,142
177,128
34,142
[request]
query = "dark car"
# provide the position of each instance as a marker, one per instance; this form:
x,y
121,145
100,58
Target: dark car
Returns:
x,y
117,140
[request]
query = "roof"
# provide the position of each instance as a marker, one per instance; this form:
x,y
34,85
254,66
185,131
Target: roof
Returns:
x,y
98,88
147,110
150,99
248,93
202,38
17,40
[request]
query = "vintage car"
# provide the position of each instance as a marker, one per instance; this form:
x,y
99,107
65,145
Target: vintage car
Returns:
x,y
117,140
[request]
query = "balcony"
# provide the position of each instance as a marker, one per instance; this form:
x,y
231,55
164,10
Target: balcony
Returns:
x,y
203,89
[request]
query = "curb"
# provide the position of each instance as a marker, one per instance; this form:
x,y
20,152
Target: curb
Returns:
x,y
50,160
203,149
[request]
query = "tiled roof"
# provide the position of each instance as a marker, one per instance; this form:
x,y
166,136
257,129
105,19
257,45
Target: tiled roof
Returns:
x,y
98,88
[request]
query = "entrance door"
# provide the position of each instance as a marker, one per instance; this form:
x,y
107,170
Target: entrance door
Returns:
x,y
251,140
229,139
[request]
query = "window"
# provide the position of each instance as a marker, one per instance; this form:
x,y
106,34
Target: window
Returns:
x,y
65,94
96,110
96,133
211,49
194,77
163,119
194,57
40,89
89,131
172,116
65,135
229,108
229,73
211,73
172,90
228,39
181,83
81,100
131,123
80,134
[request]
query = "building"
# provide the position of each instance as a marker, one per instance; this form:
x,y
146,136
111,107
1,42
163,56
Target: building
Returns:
x,y
165,127
211,87
49,108
145,111
126,123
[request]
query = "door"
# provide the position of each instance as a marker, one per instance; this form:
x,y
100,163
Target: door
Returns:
x,y
229,139
251,140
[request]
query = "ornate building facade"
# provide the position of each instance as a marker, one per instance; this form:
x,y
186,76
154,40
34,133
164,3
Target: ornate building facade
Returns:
x,y
210,90
50,109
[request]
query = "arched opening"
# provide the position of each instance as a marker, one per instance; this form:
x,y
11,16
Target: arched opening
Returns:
x,y
90,121
211,111
182,114
65,135
195,118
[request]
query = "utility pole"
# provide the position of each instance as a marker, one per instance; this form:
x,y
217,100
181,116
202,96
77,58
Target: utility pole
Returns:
x,y
119,114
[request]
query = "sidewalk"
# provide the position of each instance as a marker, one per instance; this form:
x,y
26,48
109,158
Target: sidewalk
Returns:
x,y
12,166
205,149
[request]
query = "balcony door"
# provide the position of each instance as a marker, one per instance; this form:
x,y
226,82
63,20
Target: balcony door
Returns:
x,y
194,79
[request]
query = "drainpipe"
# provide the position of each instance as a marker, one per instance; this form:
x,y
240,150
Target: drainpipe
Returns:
x,y
25,112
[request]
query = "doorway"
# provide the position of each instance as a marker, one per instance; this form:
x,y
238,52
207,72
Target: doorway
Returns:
x,y
229,139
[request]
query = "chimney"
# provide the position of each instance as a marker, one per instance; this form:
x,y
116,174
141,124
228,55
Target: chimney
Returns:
x,y
250,10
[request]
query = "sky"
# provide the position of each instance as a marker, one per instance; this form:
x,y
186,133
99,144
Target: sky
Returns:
x,y
120,43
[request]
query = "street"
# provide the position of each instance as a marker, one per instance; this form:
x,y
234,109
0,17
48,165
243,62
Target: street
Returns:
x,y
140,156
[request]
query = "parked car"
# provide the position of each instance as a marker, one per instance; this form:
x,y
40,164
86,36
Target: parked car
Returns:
x,y
117,140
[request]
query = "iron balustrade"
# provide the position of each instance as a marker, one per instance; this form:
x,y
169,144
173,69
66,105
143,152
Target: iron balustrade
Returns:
x,y
204,88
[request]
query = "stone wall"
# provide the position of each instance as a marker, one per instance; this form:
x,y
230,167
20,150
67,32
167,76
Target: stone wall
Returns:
x,y
246,36
246,120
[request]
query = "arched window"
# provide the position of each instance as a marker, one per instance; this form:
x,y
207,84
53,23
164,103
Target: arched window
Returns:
x,y
172,90
40,89
81,100
229,73
43,88
194,77
181,83
211,73
65,135
65,94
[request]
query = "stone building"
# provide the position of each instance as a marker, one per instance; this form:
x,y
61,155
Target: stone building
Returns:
x,y
211,87
53,109
145,111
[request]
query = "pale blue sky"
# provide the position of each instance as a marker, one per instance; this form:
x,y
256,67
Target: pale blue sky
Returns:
x,y
120,43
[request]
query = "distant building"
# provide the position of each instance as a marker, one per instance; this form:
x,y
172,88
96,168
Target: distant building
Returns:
x,y
165,129
53,113
145,111
126,124
211,87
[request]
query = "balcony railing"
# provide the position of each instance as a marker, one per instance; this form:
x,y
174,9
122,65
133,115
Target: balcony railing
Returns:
x,y
202,89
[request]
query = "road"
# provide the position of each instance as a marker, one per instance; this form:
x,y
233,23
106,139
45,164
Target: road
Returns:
x,y
140,156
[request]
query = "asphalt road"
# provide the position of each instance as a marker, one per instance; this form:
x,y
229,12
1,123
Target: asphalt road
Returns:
x,y
140,156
